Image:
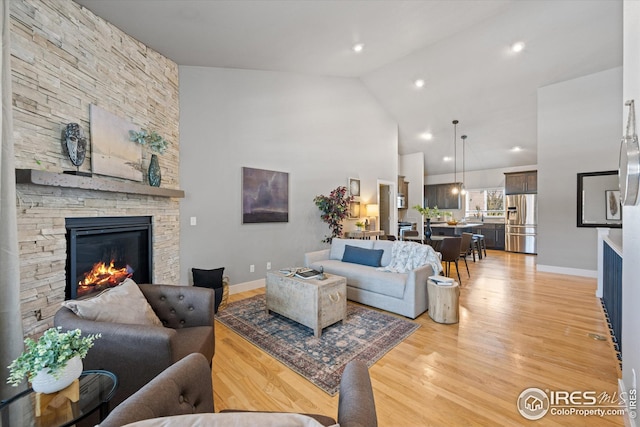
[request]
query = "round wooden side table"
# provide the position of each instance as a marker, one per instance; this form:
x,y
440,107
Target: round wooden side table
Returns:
x,y
443,302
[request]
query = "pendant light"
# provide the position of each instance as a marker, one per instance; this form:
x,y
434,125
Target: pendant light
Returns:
x,y
455,189
462,189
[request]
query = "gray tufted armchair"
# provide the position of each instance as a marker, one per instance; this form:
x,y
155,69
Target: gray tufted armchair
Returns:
x,y
185,388
138,353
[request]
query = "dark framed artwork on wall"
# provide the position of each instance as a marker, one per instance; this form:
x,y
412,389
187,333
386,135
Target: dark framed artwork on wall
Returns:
x,y
265,196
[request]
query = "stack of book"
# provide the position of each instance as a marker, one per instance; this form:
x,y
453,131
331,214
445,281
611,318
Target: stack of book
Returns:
x,y
442,280
302,273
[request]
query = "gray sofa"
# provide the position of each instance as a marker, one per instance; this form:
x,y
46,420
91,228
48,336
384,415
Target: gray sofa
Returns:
x,y
401,293
185,388
137,353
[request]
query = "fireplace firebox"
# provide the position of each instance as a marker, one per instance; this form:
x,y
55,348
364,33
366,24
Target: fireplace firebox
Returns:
x,y
104,251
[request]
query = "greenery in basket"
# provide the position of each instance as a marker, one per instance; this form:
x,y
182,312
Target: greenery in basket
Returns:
x,y
52,351
427,212
335,208
156,142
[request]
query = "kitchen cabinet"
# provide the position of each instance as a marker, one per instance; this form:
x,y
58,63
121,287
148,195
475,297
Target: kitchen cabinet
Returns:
x,y
521,182
442,231
499,237
493,235
441,195
403,189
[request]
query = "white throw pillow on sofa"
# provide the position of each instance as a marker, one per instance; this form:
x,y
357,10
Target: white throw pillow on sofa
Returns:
x,y
232,419
124,303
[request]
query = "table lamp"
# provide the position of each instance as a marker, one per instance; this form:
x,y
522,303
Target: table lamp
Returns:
x,y
373,211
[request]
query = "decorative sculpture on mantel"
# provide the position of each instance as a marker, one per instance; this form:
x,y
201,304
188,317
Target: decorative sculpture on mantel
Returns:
x,y
75,144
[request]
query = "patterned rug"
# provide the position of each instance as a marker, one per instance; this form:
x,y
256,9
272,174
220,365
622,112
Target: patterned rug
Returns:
x,y
365,334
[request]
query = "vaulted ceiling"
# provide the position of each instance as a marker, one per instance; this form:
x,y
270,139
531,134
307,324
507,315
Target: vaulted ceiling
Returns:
x,y
461,49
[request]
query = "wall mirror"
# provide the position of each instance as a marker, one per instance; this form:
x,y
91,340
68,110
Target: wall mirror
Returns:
x,y
599,200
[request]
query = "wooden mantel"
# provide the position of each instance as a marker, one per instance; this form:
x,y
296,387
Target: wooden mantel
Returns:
x,y
54,179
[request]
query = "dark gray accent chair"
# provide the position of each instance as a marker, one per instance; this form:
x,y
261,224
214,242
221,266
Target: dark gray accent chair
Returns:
x,y
138,353
185,388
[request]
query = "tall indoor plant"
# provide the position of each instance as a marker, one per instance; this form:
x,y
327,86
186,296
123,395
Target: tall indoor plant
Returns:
x,y
335,208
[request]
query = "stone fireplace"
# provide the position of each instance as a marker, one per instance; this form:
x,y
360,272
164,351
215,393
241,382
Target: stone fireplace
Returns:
x,y
63,59
43,212
104,251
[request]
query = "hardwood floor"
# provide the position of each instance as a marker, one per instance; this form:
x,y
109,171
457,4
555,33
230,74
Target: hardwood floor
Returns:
x,y
518,328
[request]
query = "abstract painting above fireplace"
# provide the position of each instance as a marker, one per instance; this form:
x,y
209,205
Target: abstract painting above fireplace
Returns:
x,y
103,251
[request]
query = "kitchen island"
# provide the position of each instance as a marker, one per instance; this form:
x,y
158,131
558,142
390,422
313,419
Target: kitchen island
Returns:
x,y
444,229
492,231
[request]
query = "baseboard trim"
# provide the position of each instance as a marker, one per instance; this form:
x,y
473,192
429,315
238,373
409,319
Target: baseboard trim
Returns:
x,y
246,286
567,271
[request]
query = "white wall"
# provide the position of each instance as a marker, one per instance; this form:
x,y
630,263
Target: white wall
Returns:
x,y
631,214
411,166
321,130
579,125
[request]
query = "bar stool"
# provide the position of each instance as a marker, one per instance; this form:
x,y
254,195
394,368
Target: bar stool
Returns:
x,y
481,245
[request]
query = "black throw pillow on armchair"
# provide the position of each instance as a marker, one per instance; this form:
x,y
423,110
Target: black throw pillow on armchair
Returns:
x,y
213,279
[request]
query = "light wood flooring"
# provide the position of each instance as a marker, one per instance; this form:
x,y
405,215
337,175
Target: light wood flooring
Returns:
x,y
518,328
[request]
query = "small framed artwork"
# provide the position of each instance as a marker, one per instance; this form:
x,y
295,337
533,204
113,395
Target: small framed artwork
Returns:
x,y
354,187
613,205
354,210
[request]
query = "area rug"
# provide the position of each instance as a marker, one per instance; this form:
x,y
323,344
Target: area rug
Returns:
x,y
365,335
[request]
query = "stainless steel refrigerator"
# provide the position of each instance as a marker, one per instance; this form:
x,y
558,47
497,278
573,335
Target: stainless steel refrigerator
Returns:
x,y
521,223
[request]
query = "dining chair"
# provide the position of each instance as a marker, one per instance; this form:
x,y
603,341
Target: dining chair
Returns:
x,y
450,250
480,244
412,235
466,247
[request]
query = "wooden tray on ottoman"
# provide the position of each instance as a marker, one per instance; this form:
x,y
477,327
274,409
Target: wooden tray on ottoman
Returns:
x,y
311,302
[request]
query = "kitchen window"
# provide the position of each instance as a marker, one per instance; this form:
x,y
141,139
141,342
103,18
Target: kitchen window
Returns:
x,y
485,202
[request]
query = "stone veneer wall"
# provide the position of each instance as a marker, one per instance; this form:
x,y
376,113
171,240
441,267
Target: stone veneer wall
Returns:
x,y
65,58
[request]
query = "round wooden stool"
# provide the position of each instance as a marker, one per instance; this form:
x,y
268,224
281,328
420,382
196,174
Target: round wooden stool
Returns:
x,y
443,302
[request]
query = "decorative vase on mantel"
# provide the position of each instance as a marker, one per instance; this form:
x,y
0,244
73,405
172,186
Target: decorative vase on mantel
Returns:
x,y
45,382
427,229
154,171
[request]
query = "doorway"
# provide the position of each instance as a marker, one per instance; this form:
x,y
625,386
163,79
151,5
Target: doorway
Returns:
x,y
387,206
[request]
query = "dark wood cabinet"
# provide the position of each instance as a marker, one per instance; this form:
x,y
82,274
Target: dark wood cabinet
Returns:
x,y
493,235
443,231
521,182
430,195
441,195
499,237
403,188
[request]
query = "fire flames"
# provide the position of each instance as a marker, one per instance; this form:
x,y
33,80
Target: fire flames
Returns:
x,y
103,276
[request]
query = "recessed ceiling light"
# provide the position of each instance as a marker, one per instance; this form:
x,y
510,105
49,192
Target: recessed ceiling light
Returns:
x,y
516,148
419,83
427,136
517,47
447,158
358,47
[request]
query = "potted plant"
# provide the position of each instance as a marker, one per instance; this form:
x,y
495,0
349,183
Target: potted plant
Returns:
x,y
156,143
335,208
360,225
428,213
53,362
